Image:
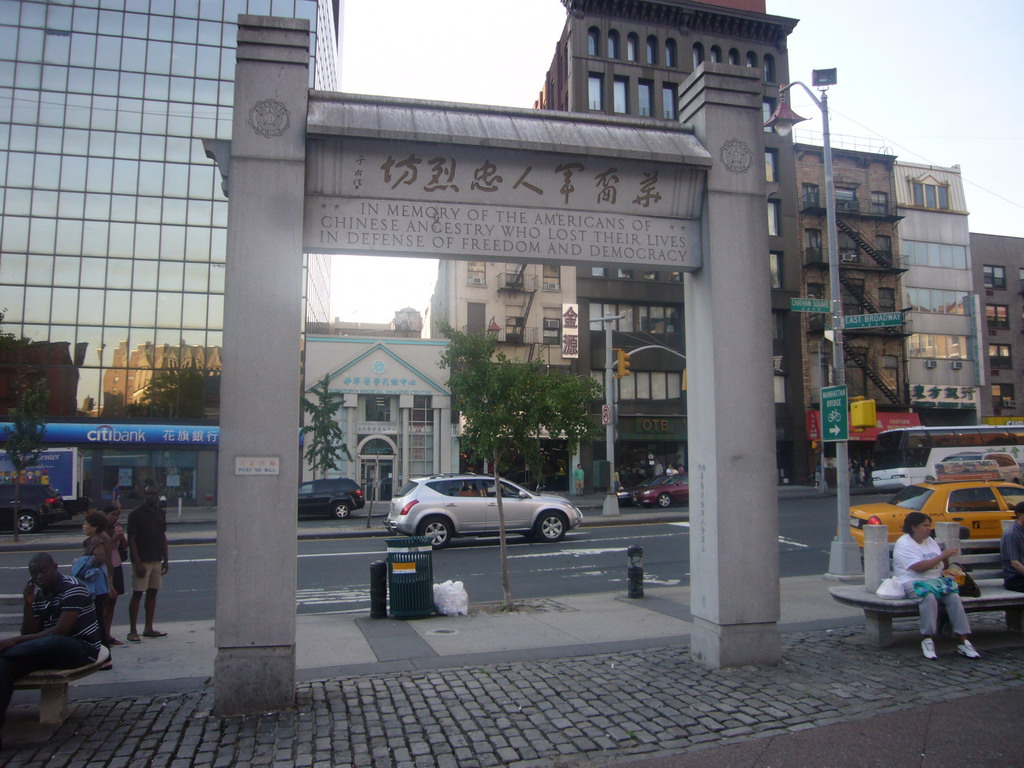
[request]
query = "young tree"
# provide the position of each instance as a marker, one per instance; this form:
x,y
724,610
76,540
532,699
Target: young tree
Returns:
x,y
506,405
25,436
325,439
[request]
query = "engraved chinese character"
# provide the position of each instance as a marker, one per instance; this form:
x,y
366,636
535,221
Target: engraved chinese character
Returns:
x,y
570,345
567,169
442,176
648,194
606,185
409,170
523,182
486,178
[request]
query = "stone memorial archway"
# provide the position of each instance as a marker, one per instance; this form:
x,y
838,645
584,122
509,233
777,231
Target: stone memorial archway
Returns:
x,y
339,173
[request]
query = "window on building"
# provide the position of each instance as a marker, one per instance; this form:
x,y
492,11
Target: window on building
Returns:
x,y
883,244
779,387
886,299
848,251
767,109
421,437
698,55
598,309
670,53
613,44
810,194
476,273
1002,396
779,326
645,98
652,50
999,356
931,196
657,319
771,165
734,57
937,345
812,245
595,88
997,316
851,292
935,255
716,54
552,325
936,301
993,276
880,203
552,277
620,100
378,408
675,277
650,275
594,42
816,290
890,362
774,217
775,268
668,95
599,271
751,59
769,68
846,199
624,274
632,46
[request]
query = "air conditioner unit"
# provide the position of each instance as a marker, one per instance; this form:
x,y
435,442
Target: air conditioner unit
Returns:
x,y
930,363
849,258
957,365
552,287
476,281
1008,404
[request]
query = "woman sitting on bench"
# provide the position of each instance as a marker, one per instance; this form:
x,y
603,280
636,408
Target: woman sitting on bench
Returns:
x,y
917,561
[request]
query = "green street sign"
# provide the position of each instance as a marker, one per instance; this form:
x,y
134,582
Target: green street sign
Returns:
x,y
877,320
835,414
809,305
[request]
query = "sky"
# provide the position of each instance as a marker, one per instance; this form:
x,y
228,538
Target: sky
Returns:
x,y
932,81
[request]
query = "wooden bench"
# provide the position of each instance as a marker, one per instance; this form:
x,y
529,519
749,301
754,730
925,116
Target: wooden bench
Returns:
x,y
981,555
53,687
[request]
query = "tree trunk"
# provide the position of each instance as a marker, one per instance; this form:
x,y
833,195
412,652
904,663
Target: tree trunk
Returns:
x,y
506,582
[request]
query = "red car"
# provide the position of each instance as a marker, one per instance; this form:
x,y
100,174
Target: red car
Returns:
x,y
666,491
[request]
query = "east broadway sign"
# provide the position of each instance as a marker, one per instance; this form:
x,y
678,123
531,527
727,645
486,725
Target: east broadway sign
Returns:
x,y
503,204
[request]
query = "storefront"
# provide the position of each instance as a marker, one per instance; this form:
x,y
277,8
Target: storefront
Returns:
x,y
647,443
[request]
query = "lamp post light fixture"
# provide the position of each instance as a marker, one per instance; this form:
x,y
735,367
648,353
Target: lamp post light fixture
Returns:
x,y
844,556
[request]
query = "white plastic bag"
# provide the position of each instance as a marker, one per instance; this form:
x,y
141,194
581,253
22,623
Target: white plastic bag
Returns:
x,y
891,588
451,599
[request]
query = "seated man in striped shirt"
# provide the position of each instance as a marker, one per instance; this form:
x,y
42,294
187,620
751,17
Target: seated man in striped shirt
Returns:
x,y
59,628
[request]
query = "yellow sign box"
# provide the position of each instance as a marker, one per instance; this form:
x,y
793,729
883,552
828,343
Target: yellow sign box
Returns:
x,y
403,567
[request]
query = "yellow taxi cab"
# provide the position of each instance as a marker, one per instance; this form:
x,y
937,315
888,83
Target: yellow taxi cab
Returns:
x,y
979,506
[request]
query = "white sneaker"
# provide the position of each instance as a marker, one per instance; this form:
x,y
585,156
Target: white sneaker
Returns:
x,y
966,649
928,648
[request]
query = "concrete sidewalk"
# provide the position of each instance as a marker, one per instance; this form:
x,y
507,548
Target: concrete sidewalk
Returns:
x,y
594,679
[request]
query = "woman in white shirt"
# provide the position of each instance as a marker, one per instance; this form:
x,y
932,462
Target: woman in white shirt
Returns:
x,y
916,556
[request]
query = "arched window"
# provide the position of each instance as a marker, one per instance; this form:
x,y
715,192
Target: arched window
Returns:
x,y
734,56
613,44
698,54
670,53
769,68
751,59
632,45
594,42
652,50
716,54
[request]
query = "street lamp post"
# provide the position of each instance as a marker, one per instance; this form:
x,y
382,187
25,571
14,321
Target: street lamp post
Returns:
x,y
611,499
844,556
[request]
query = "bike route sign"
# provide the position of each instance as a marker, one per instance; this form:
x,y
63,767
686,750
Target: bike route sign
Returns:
x,y
835,421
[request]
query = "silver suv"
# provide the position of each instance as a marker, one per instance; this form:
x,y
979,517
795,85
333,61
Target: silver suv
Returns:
x,y
445,506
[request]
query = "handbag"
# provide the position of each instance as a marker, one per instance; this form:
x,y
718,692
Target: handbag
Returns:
x,y
890,588
94,578
966,585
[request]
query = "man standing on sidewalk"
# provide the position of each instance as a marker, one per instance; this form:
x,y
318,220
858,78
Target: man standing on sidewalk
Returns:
x,y
578,475
147,544
1012,548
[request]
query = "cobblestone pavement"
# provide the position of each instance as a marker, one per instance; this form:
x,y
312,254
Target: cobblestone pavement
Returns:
x,y
540,713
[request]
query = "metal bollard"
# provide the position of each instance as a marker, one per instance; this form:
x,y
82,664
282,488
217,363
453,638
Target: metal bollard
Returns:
x,y
635,571
378,590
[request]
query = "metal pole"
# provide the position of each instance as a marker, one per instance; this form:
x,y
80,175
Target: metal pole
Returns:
x,y
611,499
844,556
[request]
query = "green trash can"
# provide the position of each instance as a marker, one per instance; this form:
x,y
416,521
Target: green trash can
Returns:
x,y
410,577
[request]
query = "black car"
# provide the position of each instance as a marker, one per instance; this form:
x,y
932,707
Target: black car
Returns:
x,y
335,497
38,506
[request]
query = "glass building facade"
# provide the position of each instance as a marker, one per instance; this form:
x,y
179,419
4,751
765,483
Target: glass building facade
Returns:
x,y
113,220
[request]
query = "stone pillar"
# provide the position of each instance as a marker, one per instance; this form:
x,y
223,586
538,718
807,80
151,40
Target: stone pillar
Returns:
x,y
254,668
730,405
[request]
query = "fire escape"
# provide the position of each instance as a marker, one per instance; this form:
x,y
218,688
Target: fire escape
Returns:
x,y
519,290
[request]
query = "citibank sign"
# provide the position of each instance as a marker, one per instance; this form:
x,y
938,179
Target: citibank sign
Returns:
x,y
129,434
109,434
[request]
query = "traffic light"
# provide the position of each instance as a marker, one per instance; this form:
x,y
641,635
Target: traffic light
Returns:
x,y
862,413
621,363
